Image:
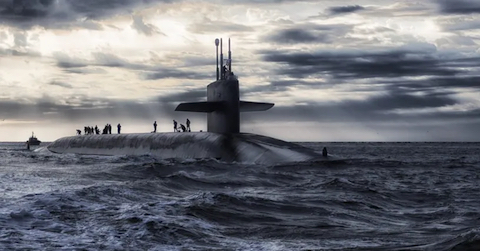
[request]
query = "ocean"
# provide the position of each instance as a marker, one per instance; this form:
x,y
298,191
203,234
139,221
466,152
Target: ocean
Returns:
x,y
377,196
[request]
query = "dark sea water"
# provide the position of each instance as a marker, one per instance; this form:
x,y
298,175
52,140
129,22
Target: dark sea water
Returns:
x,y
379,196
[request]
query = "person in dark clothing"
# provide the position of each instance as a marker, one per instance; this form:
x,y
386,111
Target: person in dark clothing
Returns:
x,y
109,129
118,128
155,126
188,125
28,145
79,132
183,127
175,126
224,73
324,152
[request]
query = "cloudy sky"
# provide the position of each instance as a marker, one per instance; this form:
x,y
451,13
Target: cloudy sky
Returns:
x,y
364,70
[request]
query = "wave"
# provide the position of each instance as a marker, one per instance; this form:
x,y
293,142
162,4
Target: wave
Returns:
x,y
143,202
468,240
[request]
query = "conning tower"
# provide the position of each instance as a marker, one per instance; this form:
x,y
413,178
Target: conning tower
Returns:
x,y
223,105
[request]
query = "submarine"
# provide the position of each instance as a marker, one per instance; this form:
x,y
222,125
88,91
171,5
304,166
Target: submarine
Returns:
x,y
222,140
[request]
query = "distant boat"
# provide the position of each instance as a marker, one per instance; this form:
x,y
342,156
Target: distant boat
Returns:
x,y
33,141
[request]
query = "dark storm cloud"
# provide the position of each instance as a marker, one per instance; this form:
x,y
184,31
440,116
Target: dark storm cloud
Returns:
x,y
293,36
434,89
80,108
459,6
467,82
65,13
145,71
65,61
378,108
111,60
91,110
76,108
278,86
357,65
387,96
345,9
400,9
307,33
394,98
436,86
174,73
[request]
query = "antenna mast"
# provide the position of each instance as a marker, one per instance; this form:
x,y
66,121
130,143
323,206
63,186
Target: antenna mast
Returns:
x,y
229,57
216,45
222,73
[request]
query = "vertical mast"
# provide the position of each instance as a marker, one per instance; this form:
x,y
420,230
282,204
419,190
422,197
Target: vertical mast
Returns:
x,y
216,45
229,57
221,60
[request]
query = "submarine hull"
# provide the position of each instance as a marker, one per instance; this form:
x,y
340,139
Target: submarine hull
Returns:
x,y
241,147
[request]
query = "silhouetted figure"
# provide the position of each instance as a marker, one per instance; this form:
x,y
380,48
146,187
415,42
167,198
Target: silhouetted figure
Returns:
x,y
324,152
155,126
183,127
188,125
28,145
175,126
224,73
97,131
105,129
109,129
89,130
79,132
118,128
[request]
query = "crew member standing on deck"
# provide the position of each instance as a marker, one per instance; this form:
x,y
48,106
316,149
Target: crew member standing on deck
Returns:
x,y
175,126
118,128
188,125
155,126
